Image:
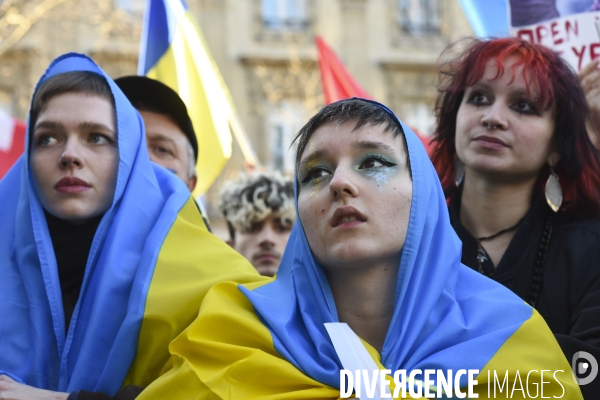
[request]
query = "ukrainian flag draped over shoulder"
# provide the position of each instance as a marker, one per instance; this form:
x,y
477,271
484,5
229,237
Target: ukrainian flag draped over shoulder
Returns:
x,y
174,52
269,340
151,263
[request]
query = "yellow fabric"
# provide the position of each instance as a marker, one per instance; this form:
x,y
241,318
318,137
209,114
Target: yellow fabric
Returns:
x,y
523,349
227,353
190,262
188,68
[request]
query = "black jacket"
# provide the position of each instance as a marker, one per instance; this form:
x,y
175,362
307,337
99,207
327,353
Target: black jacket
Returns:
x,y
569,296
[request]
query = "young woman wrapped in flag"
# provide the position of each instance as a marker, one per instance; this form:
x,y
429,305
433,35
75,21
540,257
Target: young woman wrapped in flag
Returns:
x,y
370,279
104,256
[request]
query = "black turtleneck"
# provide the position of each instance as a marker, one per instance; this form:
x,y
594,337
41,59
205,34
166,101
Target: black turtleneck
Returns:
x,y
72,245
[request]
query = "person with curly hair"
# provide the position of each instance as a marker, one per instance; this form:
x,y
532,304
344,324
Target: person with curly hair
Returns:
x,y
259,210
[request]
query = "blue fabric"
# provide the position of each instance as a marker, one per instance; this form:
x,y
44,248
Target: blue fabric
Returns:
x,y
446,316
96,352
160,24
488,18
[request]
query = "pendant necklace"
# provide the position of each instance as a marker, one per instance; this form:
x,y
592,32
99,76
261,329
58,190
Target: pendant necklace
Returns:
x,y
481,253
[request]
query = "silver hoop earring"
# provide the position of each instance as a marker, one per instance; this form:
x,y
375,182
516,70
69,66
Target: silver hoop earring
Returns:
x,y
553,191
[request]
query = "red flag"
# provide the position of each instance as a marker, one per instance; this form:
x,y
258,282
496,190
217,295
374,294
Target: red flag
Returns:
x,y
338,84
12,141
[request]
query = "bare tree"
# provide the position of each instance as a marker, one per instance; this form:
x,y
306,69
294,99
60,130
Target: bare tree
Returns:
x,y
18,17
33,32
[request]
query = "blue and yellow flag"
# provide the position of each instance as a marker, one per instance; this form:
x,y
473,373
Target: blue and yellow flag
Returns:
x,y
151,262
174,52
269,340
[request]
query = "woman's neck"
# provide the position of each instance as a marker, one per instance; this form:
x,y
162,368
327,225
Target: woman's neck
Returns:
x,y
365,299
489,207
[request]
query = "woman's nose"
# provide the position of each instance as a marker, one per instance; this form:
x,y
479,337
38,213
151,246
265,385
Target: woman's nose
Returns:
x,y
71,155
495,117
342,184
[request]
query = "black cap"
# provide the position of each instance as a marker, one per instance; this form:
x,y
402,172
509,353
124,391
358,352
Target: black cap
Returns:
x,y
151,95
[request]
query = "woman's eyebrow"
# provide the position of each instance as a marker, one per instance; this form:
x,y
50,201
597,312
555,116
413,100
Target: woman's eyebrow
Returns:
x,y
367,144
48,125
312,157
88,125
481,85
525,93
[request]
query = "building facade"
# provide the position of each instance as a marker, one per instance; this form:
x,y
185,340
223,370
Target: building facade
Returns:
x,y
265,51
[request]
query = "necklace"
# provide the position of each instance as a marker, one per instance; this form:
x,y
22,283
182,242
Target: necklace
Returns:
x,y
481,253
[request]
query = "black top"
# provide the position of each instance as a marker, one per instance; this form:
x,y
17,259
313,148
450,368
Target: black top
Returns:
x,y
569,298
72,245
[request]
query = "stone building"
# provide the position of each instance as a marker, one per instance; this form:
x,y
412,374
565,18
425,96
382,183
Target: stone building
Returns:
x,y
34,32
265,51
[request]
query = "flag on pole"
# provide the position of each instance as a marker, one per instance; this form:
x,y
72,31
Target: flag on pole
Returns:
x,y
338,84
12,141
174,52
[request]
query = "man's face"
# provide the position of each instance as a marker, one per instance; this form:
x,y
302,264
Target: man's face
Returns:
x,y
263,243
168,145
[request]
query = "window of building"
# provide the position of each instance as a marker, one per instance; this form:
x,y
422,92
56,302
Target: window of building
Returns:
x,y
284,14
420,17
283,123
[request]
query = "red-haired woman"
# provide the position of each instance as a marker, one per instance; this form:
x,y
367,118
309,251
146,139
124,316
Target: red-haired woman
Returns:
x,y
523,182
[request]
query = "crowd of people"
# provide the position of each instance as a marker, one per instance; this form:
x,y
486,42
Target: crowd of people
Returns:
x,y
484,255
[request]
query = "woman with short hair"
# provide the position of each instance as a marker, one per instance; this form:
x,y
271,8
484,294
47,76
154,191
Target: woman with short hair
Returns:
x,y
370,279
523,181
104,256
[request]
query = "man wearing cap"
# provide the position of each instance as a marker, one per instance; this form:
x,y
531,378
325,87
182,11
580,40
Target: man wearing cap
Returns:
x,y
170,134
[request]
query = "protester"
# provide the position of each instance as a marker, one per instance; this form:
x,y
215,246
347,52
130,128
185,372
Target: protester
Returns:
x,y
523,181
104,257
259,210
170,135
373,249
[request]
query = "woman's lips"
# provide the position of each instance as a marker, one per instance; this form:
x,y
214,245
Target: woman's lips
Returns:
x,y
490,143
71,184
347,217
348,224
